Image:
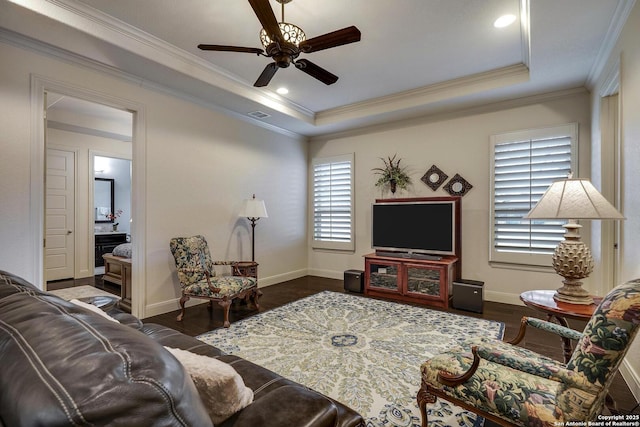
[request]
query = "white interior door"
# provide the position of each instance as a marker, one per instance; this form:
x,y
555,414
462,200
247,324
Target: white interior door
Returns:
x,y
59,215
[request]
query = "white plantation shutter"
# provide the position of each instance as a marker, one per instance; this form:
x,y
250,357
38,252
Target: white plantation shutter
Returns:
x,y
333,202
524,165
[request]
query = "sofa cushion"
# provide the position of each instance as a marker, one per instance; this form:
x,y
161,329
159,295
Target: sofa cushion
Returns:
x,y
221,388
64,365
303,408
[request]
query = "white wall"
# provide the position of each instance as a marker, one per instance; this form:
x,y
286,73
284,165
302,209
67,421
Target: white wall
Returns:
x,y
199,167
627,54
457,143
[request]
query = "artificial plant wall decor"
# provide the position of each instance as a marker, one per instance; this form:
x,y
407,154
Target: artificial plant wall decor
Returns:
x,y
392,175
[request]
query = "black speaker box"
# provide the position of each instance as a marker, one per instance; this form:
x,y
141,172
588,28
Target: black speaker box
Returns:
x,y
354,281
468,295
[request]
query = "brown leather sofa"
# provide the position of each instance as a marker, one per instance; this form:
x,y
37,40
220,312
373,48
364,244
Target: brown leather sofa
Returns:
x,y
61,365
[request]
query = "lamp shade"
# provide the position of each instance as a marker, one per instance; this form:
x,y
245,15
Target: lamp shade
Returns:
x,y
573,198
253,208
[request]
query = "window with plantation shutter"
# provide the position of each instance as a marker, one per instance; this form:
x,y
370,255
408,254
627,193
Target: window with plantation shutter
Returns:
x,y
333,202
524,164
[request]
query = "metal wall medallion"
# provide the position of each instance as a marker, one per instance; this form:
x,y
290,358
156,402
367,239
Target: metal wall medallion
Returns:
x,y
434,177
457,186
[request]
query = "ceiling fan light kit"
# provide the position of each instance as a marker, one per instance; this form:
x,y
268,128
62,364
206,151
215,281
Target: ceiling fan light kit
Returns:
x,y
283,42
291,33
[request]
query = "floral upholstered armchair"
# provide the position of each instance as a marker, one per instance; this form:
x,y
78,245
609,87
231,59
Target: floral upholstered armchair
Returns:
x,y
511,385
198,278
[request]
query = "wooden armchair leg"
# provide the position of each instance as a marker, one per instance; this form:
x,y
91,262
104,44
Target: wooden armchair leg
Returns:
x,y
226,304
423,398
254,297
610,404
183,300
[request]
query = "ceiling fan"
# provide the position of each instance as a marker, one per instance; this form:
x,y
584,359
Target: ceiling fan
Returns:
x,y
284,42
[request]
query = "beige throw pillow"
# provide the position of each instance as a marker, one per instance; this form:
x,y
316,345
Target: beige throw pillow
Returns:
x,y
221,388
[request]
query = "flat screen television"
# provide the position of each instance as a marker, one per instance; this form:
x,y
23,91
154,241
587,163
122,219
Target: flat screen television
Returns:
x,y
419,226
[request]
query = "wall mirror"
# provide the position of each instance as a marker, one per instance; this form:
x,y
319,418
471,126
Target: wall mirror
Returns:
x,y
103,197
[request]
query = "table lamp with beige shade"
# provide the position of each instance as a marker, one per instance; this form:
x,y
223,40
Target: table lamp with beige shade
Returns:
x,y
573,199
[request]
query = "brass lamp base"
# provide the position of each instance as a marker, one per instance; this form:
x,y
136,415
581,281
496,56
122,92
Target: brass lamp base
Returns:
x,y
573,261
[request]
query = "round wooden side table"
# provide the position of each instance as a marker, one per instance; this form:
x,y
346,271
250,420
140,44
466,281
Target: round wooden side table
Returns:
x,y
559,311
245,268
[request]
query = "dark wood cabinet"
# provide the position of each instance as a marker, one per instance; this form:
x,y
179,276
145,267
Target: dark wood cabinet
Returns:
x,y
411,280
105,243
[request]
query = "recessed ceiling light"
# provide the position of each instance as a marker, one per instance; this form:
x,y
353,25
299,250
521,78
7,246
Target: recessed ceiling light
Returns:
x,y
504,21
282,90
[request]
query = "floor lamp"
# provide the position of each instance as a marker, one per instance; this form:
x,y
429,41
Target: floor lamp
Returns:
x,y
573,199
253,209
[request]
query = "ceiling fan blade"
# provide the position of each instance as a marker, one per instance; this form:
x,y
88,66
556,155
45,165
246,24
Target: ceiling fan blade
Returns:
x,y
266,75
221,48
267,18
316,72
329,40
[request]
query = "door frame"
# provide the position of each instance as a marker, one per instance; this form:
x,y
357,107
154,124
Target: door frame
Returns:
x,y
39,86
611,176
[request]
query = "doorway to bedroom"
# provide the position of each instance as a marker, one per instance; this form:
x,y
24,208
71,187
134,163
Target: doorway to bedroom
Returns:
x,y
88,190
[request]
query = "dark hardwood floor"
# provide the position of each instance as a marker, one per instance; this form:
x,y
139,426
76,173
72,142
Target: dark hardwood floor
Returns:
x,y
199,319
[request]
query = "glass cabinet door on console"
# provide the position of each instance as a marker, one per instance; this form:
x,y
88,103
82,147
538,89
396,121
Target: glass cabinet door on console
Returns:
x,y
424,281
384,276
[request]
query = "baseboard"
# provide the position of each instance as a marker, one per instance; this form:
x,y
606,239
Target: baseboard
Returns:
x,y
631,377
173,304
329,274
502,297
169,305
279,278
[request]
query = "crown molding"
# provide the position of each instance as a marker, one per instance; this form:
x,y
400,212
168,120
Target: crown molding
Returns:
x,y
96,23
81,17
622,12
491,79
455,112
525,32
609,79
427,94
102,26
23,42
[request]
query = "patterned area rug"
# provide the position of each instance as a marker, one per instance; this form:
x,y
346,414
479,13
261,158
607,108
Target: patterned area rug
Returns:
x,y
81,292
365,353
